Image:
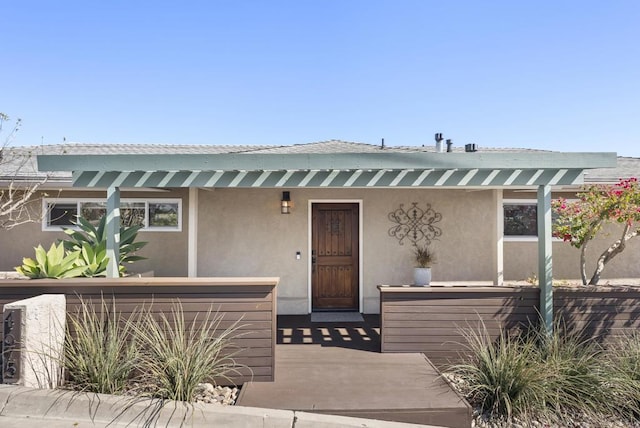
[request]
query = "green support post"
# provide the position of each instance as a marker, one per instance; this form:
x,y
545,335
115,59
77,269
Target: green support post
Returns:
x,y
545,265
113,231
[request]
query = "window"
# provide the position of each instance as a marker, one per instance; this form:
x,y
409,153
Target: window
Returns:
x,y
61,213
163,214
152,215
92,211
521,219
135,213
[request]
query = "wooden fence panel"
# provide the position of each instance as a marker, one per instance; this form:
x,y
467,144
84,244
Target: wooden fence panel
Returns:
x,y
249,301
430,319
602,313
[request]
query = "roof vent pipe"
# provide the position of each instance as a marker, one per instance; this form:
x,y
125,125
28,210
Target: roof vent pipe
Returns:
x,y
439,146
470,148
449,144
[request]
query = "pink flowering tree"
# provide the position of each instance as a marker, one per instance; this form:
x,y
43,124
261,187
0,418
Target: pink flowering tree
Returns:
x,y
578,222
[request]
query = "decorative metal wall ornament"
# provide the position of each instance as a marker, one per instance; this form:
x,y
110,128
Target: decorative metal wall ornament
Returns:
x,y
415,224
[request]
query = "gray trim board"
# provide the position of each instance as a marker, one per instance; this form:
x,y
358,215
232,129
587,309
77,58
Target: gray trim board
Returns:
x,y
321,161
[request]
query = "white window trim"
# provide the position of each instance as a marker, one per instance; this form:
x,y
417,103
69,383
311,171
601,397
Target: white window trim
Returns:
x,y
146,201
521,238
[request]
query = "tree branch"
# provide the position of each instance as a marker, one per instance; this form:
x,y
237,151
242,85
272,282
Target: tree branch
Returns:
x,y
613,250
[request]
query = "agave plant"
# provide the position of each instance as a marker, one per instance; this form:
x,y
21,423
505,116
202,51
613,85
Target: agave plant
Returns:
x,y
95,237
53,263
94,259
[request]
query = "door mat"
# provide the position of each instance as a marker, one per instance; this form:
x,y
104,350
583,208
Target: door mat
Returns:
x,y
336,317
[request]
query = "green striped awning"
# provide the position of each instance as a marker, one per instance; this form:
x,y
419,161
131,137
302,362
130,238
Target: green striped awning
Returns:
x,y
336,170
330,178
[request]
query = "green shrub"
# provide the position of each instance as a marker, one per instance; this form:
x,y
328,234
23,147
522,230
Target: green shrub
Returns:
x,y
100,349
176,357
96,238
53,263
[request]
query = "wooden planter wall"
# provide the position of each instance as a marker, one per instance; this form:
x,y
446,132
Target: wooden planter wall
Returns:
x,y
430,319
603,313
250,300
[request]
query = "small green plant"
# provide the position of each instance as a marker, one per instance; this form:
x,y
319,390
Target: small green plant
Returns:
x,y
425,257
100,351
177,356
53,263
94,259
96,237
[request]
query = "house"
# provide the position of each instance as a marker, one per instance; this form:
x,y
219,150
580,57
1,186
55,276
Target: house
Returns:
x,y
332,219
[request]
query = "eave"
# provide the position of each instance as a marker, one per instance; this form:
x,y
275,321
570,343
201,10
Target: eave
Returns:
x,y
329,170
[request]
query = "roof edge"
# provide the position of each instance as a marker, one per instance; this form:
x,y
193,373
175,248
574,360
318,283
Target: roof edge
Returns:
x,y
334,161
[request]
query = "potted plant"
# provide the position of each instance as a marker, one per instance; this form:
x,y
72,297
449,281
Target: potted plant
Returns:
x,y
425,257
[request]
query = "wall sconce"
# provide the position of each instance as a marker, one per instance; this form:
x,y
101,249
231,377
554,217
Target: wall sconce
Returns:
x,y
285,203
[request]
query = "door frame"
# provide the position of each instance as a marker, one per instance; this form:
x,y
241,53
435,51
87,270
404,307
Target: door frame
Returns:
x,y
360,247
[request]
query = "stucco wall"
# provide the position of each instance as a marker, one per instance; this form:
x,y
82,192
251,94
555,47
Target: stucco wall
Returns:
x,y
166,251
521,258
241,232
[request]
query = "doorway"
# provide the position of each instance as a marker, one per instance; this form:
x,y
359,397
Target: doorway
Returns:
x,y
335,256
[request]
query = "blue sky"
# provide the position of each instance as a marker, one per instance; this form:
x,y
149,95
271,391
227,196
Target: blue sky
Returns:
x,y
560,75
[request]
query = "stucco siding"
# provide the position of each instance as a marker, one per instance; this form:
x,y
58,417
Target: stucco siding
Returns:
x,y
521,258
241,232
166,252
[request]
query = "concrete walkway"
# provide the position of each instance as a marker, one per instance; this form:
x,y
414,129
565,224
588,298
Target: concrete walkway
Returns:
x,y
31,408
353,382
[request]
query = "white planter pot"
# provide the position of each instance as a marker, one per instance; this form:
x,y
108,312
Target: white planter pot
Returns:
x,y
422,276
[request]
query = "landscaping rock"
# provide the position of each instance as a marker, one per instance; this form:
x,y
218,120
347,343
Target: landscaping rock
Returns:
x,y
221,395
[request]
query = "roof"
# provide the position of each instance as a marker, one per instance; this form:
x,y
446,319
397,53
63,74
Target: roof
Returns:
x,y
627,167
20,161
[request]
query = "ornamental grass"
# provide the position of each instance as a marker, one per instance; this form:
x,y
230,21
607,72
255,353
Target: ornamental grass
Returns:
x,y
158,355
502,377
576,379
100,352
176,356
532,375
622,366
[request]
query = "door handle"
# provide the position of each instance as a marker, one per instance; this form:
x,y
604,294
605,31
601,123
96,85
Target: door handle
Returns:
x,y
313,260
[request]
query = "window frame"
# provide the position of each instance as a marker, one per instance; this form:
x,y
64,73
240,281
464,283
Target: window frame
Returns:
x,y
522,238
46,202
518,238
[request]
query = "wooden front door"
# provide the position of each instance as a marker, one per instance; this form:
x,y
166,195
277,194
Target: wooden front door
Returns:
x,y
334,256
